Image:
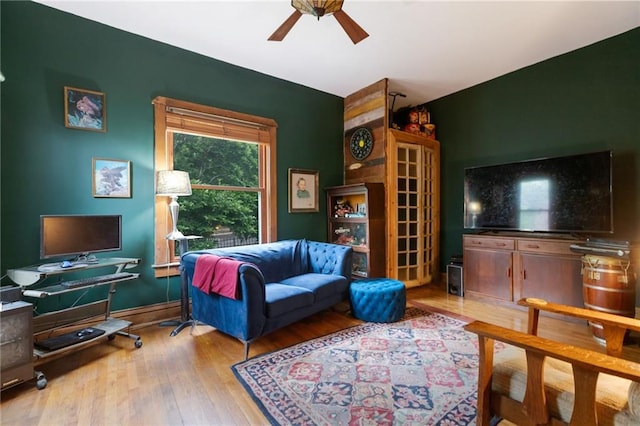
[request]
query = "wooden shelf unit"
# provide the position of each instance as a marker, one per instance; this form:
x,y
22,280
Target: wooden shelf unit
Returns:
x,y
364,229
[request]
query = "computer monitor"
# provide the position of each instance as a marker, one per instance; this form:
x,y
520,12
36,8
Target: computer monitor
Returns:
x,y
79,235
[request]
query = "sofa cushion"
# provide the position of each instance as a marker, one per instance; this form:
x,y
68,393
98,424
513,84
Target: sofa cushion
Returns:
x,y
322,285
323,259
283,298
510,379
633,408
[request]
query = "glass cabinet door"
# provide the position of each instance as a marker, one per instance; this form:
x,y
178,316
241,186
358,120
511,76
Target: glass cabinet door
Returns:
x,y
360,266
349,233
409,185
413,200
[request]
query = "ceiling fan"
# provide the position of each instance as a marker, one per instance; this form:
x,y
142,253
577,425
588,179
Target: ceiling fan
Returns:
x,y
319,8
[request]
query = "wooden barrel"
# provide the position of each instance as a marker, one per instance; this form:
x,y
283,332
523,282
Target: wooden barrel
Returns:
x,y
608,286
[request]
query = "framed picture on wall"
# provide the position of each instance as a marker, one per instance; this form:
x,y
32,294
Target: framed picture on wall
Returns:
x,y
303,191
111,178
84,109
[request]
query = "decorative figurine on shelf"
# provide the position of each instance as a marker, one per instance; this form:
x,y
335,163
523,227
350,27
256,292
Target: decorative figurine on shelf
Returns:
x,y
426,128
416,120
344,236
345,239
430,130
423,115
342,208
413,126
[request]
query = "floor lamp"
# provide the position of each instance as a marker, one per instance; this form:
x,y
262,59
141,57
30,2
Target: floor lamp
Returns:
x,y
174,184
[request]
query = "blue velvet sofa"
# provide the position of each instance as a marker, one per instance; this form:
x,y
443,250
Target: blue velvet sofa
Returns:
x,y
293,279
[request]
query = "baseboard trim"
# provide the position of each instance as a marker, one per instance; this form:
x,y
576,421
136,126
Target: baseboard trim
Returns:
x,y
140,317
144,316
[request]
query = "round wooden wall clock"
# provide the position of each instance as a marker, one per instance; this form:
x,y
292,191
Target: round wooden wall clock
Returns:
x,y
361,143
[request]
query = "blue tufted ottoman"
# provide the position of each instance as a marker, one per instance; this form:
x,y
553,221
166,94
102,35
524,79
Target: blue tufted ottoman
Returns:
x,y
378,299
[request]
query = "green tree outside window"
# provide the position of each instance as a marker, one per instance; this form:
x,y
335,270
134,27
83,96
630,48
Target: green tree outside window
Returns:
x,y
223,208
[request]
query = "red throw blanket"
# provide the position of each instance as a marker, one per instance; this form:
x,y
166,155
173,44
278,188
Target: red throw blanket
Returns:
x,y
215,274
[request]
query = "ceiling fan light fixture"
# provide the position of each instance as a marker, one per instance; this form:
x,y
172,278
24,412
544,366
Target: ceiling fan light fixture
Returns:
x,y
319,8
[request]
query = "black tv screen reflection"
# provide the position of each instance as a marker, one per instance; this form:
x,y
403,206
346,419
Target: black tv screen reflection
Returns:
x,y
571,194
81,235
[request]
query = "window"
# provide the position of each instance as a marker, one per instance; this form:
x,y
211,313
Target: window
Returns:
x,y
534,204
230,158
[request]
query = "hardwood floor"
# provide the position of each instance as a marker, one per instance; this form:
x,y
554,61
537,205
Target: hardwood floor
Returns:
x,y
187,379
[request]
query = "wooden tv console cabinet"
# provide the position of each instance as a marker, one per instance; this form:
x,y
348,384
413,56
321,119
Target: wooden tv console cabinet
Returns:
x,y
511,267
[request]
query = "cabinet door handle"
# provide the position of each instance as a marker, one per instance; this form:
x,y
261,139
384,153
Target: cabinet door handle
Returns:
x,y
524,274
500,244
509,272
533,246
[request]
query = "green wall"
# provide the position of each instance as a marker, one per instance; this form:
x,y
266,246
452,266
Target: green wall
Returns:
x,y
583,101
46,168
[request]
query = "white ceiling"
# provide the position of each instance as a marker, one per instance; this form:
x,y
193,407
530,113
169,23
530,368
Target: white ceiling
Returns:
x,y
428,49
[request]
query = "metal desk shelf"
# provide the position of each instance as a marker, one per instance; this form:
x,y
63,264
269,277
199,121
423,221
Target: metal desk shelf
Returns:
x,y
32,279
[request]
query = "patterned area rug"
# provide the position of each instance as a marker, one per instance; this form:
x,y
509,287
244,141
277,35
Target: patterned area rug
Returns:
x,y
418,371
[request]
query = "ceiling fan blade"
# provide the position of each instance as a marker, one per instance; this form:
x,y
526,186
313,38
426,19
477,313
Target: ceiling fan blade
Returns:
x,y
286,26
353,30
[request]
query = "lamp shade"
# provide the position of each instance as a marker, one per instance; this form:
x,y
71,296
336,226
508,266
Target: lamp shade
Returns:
x,y
173,183
317,7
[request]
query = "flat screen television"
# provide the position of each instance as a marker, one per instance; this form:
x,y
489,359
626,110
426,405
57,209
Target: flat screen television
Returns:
x,y
570,194
79,235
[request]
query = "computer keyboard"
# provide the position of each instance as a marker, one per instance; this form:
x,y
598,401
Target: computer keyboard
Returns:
x,y
68,339
84,282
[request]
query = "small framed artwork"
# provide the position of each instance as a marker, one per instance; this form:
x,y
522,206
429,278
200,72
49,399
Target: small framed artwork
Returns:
x,y
303,191
84,109
111,178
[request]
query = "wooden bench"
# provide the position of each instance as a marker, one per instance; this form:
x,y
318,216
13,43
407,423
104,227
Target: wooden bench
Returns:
x,y
580,387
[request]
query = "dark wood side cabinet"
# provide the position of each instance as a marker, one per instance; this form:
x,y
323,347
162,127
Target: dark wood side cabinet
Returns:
x,y
356,218
509,268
